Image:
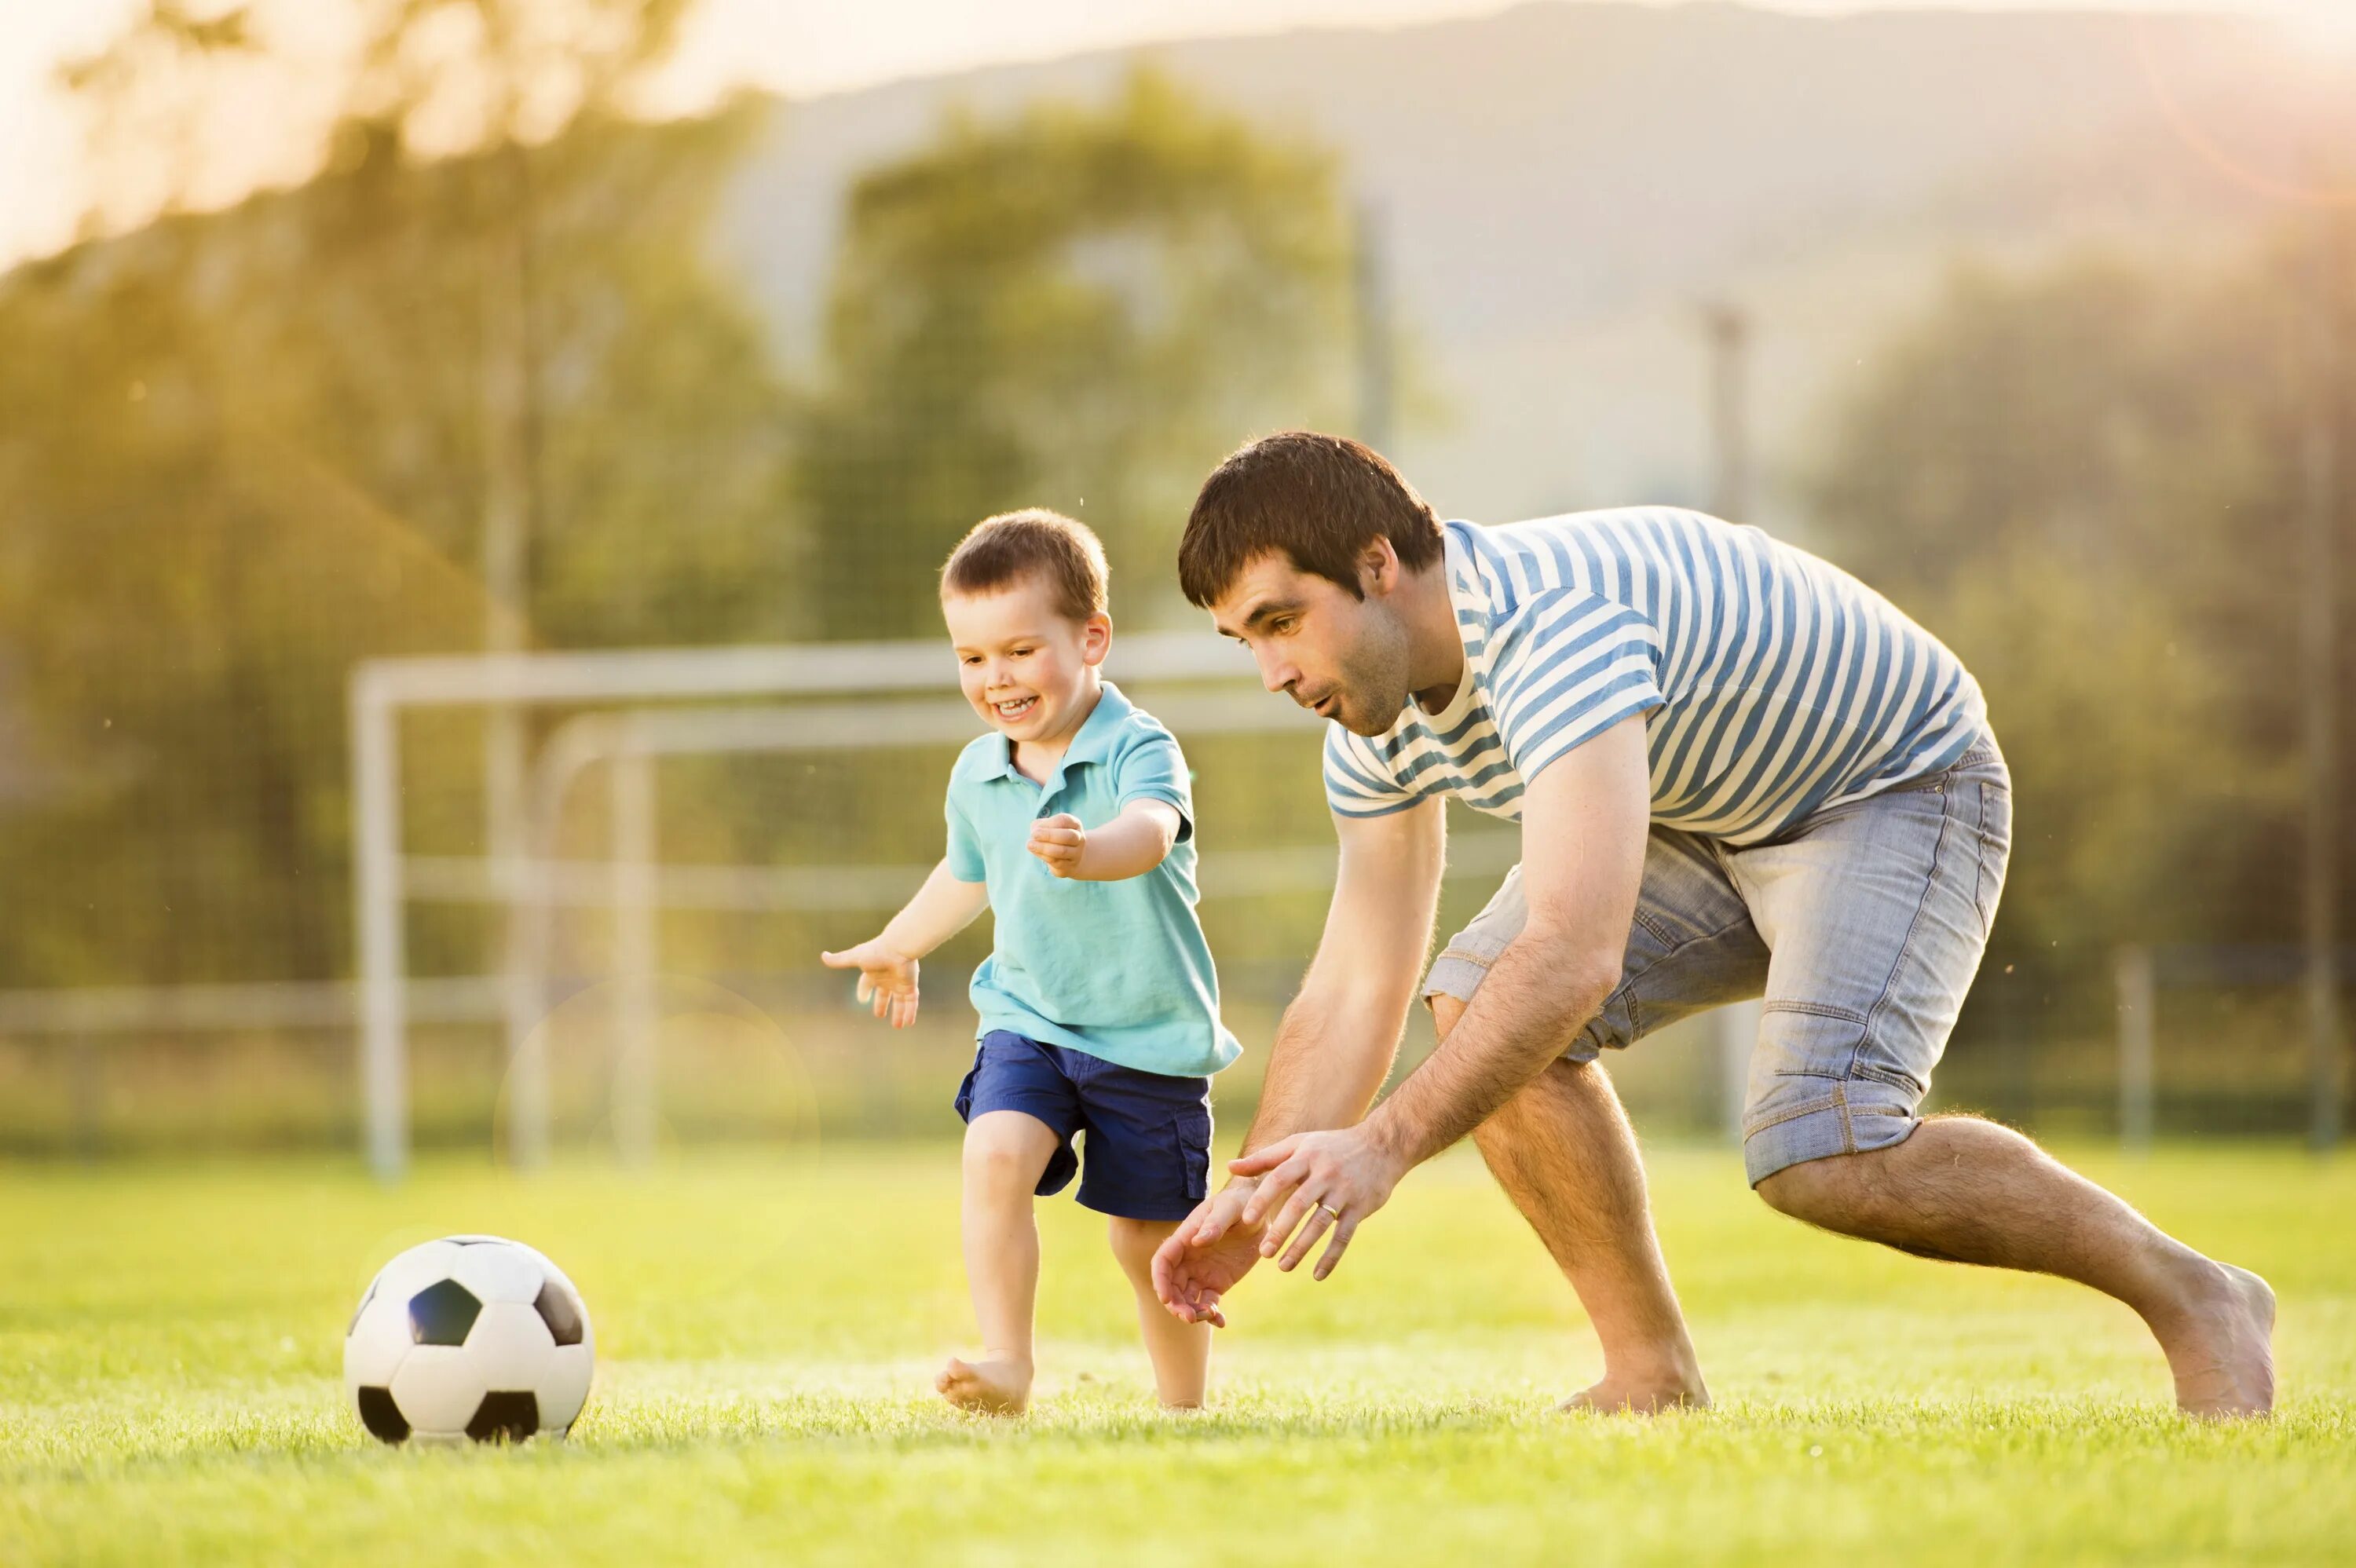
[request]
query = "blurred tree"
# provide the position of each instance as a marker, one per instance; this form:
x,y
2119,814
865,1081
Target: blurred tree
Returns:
x,y
2084,480
239,451
1081,307
145,96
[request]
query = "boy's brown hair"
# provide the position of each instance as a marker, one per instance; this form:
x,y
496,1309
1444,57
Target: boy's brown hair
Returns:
x,y
1320,499
1003,550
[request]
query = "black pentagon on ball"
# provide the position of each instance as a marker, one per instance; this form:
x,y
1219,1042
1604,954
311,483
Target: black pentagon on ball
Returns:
x,y
442,1314
382,1416
560,1310
514,1416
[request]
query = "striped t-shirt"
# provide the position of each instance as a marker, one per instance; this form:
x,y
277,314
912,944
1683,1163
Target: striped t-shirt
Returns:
x,y
1774,684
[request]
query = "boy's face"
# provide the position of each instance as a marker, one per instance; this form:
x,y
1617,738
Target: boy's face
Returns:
x,y
1022,663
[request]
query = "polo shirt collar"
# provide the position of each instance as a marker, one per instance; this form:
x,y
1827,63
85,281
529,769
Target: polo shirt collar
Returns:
x,y
1090,745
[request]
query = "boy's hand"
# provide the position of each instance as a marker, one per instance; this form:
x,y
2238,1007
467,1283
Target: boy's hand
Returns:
x,y
1059,841
887,977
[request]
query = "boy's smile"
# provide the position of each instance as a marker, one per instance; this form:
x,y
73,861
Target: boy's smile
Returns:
x,y
1029,670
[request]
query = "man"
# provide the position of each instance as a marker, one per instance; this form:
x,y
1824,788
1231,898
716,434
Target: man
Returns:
x,y
1738,772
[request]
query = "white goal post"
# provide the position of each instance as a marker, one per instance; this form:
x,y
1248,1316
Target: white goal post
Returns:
x,y
629,737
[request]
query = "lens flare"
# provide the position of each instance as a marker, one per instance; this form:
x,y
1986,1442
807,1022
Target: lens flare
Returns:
x,y
2297,142
2323,29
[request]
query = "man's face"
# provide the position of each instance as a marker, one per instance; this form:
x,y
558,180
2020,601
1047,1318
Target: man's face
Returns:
x,y
1341,658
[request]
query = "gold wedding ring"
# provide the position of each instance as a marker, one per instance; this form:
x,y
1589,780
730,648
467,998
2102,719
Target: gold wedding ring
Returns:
x,y
1331,1210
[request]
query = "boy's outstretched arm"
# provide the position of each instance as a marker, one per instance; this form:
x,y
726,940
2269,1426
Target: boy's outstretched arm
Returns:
x,y
888,961
1129,846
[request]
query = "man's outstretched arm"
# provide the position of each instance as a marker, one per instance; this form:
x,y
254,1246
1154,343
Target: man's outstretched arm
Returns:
x,y
1584,822
1336,1041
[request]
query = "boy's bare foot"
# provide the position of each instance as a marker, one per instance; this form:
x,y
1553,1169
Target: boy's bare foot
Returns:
x,y
991,1388
2222,1351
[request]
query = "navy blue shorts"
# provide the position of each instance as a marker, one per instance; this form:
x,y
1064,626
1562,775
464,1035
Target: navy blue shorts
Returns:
x,y
1149,1136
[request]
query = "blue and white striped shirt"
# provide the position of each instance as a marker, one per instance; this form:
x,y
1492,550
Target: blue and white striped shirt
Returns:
x,y
1775,683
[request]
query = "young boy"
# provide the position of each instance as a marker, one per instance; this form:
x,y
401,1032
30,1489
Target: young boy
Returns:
x,y
1099,1010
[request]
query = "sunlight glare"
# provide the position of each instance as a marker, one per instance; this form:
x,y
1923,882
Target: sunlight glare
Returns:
x,y
2327,28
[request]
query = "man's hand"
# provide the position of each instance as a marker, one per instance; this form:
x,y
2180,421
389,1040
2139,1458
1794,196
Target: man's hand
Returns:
x,y
887,977
1059,841
1202,1259
1310,1181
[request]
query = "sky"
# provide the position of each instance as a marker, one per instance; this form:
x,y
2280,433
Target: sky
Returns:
x,y
801,48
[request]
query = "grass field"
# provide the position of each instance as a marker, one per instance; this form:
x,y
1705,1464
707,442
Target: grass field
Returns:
x,y
170,1342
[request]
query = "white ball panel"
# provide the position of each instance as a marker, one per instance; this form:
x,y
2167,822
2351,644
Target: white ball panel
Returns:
x,y
378,1342
415,1269
510,1347
500,1271
438,1388
566,1279
564,1387
549,1264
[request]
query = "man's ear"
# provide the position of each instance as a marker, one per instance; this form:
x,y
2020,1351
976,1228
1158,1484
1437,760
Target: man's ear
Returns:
x,y
1378,568
1095,638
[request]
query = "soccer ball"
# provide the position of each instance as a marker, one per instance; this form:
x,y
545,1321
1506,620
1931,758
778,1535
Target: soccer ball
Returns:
x,y
468,1336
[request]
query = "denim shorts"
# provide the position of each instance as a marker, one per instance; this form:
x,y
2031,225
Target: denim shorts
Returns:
x,y
1147,1135
1862,928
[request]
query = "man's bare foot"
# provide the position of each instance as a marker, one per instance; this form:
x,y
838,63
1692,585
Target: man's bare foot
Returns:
x,y
991,1388
2222,1351
1647,1395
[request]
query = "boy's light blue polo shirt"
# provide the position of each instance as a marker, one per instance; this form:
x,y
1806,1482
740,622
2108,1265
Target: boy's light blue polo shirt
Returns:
x,y
1119,970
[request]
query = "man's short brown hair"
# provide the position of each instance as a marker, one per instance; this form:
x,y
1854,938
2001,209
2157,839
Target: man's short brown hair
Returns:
x,y
1320,499
1001,550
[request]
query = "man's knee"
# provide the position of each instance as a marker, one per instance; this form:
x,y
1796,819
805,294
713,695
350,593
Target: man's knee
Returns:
x,y
1562,1087
1541,1108
1803,1190
1844,1193
1833,1186
1841,1193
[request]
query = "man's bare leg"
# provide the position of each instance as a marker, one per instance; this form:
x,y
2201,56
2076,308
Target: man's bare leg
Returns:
x,y
1563,1151
1971,1191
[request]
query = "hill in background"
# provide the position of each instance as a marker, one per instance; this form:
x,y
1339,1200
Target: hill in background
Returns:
x,y
1558,186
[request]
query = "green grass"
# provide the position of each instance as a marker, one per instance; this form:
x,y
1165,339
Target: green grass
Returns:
x,y
170,1343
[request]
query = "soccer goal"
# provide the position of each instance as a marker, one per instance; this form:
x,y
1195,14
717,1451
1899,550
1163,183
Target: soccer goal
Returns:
x,y
628,715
